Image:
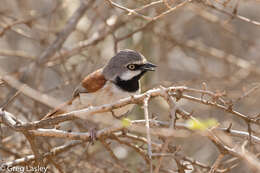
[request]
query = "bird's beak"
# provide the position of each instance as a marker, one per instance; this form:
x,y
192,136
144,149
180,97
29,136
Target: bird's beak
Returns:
x,y
148,66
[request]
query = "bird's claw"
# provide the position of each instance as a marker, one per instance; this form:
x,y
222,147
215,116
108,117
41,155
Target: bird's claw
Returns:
x,y
92,135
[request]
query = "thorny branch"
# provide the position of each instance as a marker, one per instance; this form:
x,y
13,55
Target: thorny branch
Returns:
x,y
15,124
188,50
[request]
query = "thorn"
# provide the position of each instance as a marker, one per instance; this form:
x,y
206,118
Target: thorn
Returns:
x,y
229,128
230,106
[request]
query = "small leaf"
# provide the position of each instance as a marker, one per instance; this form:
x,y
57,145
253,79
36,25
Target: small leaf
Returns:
x,y
126,122
196,124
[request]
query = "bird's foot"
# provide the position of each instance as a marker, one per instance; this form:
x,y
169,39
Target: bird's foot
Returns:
x,y
92,135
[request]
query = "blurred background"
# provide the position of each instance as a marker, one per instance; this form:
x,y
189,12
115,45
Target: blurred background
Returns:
x,y
202,44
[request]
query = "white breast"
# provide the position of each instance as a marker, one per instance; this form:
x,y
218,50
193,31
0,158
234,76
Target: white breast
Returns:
x,y
110,93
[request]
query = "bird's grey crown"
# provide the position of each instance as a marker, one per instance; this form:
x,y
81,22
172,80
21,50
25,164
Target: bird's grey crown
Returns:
x,y
117,64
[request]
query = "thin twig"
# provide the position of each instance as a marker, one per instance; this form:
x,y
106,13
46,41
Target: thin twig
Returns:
x,y
67,30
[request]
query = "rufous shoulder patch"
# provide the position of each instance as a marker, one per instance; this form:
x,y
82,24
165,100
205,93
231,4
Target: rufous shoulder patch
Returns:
x,y
94,81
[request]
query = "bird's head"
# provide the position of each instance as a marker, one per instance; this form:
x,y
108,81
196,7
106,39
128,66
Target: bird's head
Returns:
x,y
127,65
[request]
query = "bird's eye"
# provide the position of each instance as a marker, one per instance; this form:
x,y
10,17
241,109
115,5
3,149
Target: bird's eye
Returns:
x,y
131,66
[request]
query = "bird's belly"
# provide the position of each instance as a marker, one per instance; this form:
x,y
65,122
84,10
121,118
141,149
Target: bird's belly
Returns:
x,y
108,94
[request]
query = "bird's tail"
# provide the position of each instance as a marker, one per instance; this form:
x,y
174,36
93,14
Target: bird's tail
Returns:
x,y
59,110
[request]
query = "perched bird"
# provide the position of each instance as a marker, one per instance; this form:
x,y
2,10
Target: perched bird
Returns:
x,y
118,79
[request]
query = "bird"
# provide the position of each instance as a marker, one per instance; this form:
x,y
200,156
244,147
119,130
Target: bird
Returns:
x,y
119,78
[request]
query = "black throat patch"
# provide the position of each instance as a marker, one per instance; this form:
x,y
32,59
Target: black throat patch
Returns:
x,y
131,85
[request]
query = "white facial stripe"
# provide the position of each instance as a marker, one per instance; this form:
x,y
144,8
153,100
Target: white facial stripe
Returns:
x,y
138,62
130,74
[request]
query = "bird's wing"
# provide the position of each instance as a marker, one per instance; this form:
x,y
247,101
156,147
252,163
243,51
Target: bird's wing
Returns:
x,y
91,83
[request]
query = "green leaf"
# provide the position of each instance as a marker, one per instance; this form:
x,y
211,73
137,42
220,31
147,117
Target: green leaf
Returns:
x,y
197,124
126,122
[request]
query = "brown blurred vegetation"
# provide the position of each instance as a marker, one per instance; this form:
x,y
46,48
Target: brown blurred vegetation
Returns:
x,y
210,45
